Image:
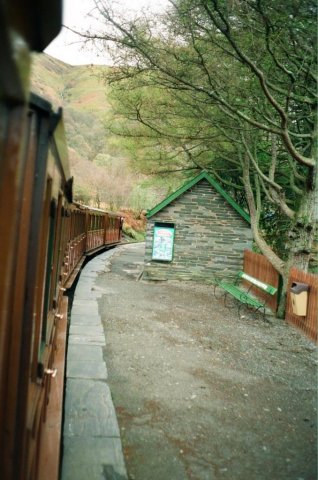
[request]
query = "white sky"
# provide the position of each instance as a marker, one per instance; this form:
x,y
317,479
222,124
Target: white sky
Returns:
x,y
68,47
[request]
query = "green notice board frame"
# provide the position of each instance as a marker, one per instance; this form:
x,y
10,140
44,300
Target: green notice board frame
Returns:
x,y
163,242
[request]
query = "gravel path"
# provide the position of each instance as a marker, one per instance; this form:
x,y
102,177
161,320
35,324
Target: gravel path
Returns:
x,y
199,393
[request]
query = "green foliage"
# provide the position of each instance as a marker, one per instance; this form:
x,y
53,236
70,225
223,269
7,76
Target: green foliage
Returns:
x,y
142,198
133,234
117,181
230,88
275,228
78,143
99,161
81,195
103,160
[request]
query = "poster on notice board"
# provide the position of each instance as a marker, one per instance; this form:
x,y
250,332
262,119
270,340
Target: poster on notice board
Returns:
x,y
163,240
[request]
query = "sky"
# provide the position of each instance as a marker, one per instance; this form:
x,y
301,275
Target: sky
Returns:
x,y
68,47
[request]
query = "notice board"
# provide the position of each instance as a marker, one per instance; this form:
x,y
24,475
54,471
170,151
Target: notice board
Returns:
x,y
163,242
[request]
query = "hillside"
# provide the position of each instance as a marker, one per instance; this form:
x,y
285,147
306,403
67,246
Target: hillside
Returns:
x,y
100,166
83,98
75,86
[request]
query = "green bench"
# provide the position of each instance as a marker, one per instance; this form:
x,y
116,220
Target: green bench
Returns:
x,y
244,297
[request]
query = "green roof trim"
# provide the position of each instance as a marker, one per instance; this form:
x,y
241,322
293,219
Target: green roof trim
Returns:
x,y
198,178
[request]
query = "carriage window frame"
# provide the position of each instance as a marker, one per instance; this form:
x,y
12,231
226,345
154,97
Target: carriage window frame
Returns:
x,y
49,283
38,346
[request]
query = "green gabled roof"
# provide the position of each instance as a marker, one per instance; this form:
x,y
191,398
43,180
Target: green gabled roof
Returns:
x,y
198,178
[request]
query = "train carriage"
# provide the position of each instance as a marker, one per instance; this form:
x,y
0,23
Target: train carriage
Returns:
x,y
44,238
53,236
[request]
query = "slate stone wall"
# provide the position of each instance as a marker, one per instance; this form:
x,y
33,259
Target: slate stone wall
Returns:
x,y
210,237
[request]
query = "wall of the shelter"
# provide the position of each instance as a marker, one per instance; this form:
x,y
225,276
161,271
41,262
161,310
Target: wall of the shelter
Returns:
x,y
210,237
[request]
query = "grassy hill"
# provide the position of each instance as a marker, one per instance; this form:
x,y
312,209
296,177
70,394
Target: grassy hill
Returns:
x,y
83,97
75,86
103,176
99,166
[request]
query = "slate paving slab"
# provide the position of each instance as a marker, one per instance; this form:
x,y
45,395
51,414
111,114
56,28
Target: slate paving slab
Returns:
x,y
97,267
85,309
86,280
90,426
86,369
89,396
86,330
87,340
81,301
86,320
83,289
87,294
93,472
85,353
93,451
88,274
89,410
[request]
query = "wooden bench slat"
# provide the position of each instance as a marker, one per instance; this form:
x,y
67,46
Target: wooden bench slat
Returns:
x,y
240,294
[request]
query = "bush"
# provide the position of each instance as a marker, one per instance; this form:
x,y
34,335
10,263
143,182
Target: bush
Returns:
x,y
133,234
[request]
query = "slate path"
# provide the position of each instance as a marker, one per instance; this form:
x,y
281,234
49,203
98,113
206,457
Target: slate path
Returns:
x,y
92,447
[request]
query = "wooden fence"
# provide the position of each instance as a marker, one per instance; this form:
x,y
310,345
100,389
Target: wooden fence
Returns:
x,y
307,324
259,267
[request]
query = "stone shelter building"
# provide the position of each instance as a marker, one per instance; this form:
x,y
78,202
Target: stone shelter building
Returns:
x,y
196,233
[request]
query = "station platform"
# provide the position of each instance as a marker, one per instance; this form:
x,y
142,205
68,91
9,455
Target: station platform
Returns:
x,y
165,383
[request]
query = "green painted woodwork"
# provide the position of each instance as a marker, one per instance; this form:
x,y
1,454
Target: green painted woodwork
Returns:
x,y
240,295
243,296
198,178
258,283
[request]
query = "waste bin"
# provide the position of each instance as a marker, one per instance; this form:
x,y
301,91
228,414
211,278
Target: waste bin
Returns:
x,y
299,298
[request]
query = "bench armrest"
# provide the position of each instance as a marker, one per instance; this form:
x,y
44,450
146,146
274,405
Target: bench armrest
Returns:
x,y
218,279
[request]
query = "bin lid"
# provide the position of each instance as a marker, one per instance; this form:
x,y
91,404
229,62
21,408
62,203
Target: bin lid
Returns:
x,y
297,287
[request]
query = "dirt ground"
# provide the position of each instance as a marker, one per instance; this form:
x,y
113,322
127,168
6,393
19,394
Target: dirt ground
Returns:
x,y
199,393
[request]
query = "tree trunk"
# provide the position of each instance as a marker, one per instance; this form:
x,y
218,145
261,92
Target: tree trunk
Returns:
x,y
302,236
